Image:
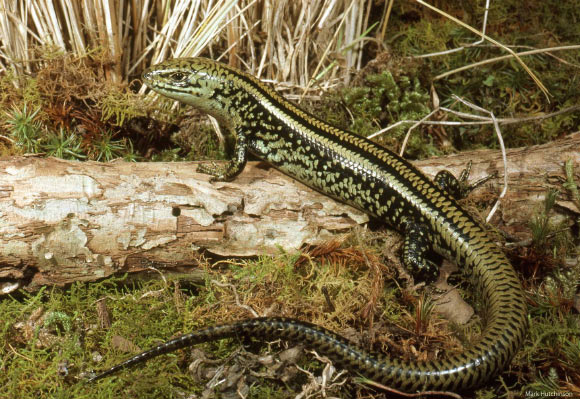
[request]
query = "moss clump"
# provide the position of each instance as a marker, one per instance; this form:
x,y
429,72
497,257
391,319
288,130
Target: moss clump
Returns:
x,y
382,99
69,109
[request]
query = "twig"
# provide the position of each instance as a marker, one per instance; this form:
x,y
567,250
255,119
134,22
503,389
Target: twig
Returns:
x,y
484,121
237,298
503,153
20,355
411,395
454,50
149,293
402,151
484,27
504,57
7,139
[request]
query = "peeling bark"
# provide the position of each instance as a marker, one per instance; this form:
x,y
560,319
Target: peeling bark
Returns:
x,y
63,221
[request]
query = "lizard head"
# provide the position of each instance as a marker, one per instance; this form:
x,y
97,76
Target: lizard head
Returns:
x,y
208,85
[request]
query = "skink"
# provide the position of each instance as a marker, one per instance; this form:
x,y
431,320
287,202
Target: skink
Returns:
x,y
369,177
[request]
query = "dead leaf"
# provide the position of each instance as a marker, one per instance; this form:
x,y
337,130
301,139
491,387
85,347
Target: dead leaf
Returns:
x,y
450,304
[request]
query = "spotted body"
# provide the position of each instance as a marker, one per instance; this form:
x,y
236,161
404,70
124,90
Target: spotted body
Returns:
x,y
369,177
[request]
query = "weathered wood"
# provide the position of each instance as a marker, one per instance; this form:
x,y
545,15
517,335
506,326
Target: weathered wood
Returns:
x,y
63,221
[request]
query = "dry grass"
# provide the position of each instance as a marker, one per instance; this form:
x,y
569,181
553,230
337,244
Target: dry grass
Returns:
x,y
287,41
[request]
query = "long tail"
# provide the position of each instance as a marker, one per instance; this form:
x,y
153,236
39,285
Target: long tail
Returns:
x,y
408,376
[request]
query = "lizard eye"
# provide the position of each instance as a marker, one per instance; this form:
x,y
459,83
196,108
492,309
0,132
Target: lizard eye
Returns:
x,y
178,76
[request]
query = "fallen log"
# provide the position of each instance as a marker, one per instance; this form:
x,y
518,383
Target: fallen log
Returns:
x,y
65,221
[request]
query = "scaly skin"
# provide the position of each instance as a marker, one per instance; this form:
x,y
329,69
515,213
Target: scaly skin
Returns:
x,y
369,177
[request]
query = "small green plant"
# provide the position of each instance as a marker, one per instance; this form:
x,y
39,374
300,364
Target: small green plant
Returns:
x,y
130,155
66,145
106,149
423,312
548,383
571,184
24,127
540,223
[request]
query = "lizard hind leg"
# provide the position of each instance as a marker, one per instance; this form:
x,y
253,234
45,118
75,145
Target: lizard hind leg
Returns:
x,y
459,188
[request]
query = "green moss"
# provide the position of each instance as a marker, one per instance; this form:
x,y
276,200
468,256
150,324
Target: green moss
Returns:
x,y
118,106
384,100
502,87
428,36
64,338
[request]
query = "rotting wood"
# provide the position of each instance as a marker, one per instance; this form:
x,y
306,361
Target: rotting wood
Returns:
x,y
64,221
